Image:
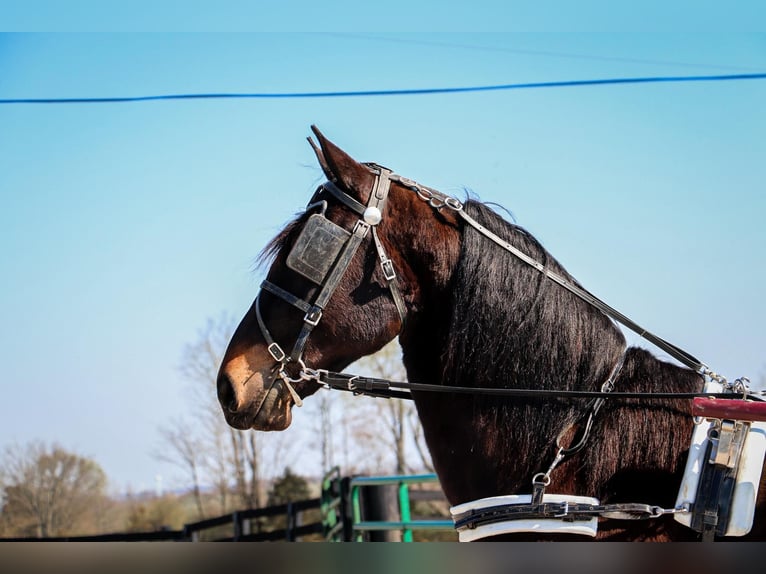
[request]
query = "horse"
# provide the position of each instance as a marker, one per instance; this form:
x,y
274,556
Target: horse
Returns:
x,y
376,256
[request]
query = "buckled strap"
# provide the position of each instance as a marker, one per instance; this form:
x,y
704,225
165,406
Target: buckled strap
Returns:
x,y
272,346
390,275
566,511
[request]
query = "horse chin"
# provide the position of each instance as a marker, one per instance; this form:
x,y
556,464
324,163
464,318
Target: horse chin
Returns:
x,y
274,421
275,414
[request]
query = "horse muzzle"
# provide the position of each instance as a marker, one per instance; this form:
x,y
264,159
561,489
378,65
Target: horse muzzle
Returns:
x,y
256,399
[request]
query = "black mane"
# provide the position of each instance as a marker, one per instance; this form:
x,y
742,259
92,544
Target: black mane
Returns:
x,y
512,327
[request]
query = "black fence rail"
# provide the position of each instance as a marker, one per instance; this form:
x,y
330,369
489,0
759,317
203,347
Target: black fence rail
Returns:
x,y
239,526
247,524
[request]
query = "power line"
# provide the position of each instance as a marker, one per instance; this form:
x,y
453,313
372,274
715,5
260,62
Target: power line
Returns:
x,y
396,92
540,53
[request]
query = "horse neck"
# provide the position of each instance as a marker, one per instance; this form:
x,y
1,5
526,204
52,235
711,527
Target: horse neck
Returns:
x,y
497,323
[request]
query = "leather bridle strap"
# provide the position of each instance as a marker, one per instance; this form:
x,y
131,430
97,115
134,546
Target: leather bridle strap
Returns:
x,y
345,198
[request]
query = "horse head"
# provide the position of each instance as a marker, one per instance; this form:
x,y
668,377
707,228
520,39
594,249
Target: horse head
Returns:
x,y
341,285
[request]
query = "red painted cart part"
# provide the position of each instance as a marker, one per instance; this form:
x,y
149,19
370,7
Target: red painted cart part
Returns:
x,y
732,409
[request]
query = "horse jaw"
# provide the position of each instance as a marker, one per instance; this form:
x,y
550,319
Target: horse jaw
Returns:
x,y
253,398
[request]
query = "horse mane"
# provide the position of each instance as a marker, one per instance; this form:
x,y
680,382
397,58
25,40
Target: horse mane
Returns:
x,y
512,324
513,327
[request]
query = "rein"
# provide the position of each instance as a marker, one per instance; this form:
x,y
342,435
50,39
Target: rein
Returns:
x,y
377,387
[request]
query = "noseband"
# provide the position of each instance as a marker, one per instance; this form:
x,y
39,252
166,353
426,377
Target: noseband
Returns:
x,y
322,253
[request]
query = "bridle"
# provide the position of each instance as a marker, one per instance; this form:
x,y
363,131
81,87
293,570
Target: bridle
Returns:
x,y
322,253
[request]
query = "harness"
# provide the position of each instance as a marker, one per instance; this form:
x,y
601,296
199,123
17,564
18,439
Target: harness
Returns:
x,y
323,252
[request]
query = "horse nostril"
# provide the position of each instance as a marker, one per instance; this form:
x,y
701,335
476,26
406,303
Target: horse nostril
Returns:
x,y
226,395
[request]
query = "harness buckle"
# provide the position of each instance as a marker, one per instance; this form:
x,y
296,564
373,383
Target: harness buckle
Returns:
x,y
313,316
276,352
388,269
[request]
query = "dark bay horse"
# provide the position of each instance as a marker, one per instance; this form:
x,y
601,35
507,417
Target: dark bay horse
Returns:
x,y
468,314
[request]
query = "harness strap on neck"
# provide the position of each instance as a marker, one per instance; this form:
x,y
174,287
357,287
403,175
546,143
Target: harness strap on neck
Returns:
x,y
590,413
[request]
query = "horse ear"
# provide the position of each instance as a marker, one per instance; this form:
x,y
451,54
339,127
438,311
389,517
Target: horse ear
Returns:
x,y
339,167
320,158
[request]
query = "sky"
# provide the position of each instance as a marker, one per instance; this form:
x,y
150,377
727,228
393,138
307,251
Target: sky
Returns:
x,y
125,227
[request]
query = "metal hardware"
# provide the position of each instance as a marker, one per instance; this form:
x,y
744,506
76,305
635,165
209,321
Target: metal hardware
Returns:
x,y
372,215
322,204
313,316
351,384
388,269
276,352
728,438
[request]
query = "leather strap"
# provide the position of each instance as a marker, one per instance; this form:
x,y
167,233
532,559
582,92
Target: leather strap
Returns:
x,y
285,296
343,197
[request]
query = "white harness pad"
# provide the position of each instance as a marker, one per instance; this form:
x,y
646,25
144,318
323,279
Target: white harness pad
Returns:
x,y
528,525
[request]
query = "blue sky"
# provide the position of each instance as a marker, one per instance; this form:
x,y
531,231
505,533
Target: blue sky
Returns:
x,y
126,226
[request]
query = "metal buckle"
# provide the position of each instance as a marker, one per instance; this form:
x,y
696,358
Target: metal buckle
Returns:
x,y
313,316
564,506
276,352
728,444
388,269
351,385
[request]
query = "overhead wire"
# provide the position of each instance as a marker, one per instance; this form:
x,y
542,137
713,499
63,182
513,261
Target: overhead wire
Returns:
x,y
391,92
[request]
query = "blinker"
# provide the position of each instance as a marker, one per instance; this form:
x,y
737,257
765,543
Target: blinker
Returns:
x,y
317,248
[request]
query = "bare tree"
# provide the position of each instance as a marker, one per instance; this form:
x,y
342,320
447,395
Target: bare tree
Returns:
x,y
324,429
185,451
392,423
47,490
226,458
